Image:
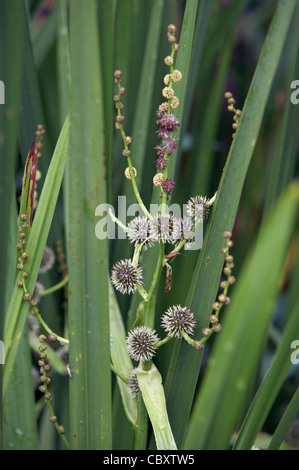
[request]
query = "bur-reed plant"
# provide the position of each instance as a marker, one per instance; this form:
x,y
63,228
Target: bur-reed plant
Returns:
x,y
159,338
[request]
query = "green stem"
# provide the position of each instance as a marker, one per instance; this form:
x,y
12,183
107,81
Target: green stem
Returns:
x,y
163,341
56,287
64,439
46,327
135,188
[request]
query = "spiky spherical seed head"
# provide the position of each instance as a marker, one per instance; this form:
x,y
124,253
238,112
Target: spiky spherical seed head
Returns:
x,y
198,208
141,342
133,384
27,296
178,319
120,118
23,217
48,260
53,419
126,277
182,228
161,228
20,267
139,231
128,140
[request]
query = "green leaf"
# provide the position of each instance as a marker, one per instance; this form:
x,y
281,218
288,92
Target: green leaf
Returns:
x,y
233,362
120,357
269,388
150,383
182,377
18,308
90,388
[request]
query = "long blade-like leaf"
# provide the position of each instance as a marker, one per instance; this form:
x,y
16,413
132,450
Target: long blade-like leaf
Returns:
x,y
90,389
18,309
204,286
233,362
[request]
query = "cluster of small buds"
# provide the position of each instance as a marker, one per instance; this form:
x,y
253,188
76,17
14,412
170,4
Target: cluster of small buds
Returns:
x,y
40,131
171,30
21,242
222,298
166,119
120,116
44,369
231,107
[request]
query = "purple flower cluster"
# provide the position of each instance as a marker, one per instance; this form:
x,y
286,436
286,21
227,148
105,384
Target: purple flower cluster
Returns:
x,y
168,123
